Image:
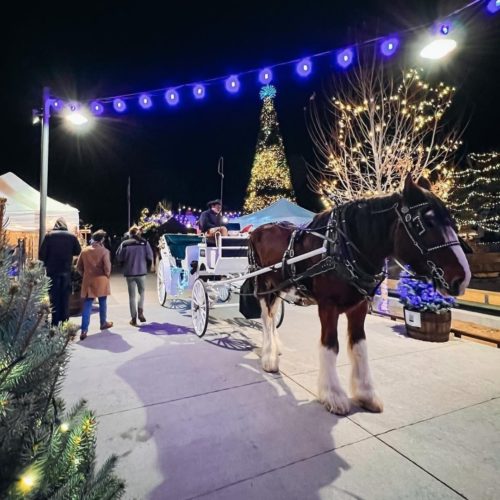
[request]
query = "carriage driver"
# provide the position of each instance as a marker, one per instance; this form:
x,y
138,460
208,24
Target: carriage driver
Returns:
x,y
211,220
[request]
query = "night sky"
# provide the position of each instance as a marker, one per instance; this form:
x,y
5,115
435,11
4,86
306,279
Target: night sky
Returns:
x,y
172,153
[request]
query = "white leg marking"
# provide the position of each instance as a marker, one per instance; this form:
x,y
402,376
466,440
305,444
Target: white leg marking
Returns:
x,y
270,354
330,392
450,235
361,379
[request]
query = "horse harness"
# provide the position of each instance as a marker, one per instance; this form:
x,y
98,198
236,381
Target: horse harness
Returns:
x,y
340,252
411,218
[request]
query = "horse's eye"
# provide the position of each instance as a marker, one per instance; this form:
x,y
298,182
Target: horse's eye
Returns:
x,y
429,218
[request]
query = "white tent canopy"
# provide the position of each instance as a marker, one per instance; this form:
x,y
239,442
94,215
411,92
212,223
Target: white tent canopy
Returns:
x,y
22,211
279,211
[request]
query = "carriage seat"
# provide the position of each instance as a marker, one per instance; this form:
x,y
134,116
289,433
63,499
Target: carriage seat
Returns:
x,y
238,246
177,244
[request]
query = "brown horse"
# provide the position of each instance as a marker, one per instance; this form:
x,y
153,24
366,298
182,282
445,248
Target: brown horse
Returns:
x,y
413,227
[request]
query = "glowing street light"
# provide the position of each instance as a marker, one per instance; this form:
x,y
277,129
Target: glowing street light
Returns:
x,y
438,48
77,118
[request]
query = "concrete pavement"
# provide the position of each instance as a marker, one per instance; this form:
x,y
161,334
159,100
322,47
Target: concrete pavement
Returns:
x,y
197,418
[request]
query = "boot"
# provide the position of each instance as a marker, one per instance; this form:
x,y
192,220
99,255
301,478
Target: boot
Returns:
x,y
133,322
106,325
141,317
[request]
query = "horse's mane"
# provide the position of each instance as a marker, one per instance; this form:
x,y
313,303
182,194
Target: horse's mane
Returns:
x,y
359,213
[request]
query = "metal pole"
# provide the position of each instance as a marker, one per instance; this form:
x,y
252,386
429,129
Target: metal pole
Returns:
x,y
44,163
128,201
220,171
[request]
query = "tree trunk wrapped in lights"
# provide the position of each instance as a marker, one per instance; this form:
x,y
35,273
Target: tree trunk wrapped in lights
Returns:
x,y
270,177
44,453
475,198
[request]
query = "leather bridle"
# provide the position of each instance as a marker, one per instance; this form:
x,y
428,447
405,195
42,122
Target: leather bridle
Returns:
x,y
411,218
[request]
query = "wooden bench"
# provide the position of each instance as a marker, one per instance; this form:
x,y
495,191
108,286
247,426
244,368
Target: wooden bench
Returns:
x,y
479,332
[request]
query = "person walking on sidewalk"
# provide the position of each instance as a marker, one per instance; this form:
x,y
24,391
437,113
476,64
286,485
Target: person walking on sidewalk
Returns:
x,y
136,256
57,252
94,265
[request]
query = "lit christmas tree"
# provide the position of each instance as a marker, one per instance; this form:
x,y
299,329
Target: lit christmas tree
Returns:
x,y
270,178
44,453
475,199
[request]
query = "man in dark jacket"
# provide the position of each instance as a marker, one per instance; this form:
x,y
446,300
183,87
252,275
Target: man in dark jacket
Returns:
x,y
136,256
211,220
57,252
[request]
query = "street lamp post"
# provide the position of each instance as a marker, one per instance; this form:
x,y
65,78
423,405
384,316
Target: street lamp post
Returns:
x,y
44,163
73,115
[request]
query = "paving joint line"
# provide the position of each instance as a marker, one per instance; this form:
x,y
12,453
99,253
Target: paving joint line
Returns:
x,y
167,401
274,469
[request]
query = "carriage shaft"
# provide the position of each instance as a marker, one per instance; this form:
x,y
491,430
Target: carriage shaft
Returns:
x,y
274,267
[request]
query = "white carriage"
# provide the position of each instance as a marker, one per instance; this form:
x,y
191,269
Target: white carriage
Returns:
x,y
212,268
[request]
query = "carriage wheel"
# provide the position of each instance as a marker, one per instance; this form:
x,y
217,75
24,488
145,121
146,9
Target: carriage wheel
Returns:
x,y
160,284
280,315
199,307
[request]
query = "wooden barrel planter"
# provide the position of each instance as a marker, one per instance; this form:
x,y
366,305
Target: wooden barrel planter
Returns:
x,y
428,326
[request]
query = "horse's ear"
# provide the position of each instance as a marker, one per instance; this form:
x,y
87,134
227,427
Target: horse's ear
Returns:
x,y
409,185
425,183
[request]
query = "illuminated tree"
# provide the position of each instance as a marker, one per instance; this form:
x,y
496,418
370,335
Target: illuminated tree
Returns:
x,y
475,199
376,128
44,452
270,177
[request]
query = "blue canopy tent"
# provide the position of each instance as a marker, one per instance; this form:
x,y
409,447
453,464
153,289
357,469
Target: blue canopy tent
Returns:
x,y
279,211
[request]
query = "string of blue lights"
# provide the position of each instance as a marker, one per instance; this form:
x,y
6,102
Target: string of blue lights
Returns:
x,y
388,46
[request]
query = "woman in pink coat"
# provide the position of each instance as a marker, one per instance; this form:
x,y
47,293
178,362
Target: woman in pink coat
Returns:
x,y
94,264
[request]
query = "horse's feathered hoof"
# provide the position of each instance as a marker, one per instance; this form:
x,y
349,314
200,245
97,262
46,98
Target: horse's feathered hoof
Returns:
x,y
270,365
374,404
335,403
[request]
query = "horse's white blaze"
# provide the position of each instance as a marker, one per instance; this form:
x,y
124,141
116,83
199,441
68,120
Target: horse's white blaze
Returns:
x,y
450,235
330,391
361,379
270,348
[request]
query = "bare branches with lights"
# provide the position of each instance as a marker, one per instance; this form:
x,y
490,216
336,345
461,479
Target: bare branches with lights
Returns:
x,y
375,129
475,199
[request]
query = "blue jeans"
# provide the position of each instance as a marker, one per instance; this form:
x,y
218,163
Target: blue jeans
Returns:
x,y
87,309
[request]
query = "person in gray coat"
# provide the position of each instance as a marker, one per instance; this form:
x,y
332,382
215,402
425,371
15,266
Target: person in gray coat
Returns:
x,y
136,256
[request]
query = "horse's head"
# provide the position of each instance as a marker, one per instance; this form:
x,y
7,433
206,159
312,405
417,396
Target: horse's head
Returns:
x,y
426,239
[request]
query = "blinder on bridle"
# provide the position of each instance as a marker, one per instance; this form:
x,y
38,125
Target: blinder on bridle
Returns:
x,y
413,220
